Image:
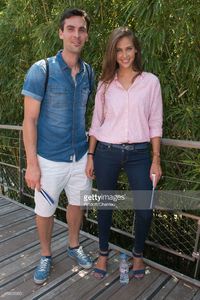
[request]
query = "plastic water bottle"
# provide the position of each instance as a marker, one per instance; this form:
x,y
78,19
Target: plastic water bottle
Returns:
x,y
123,269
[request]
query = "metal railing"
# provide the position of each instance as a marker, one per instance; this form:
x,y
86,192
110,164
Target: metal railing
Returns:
x,y
175,232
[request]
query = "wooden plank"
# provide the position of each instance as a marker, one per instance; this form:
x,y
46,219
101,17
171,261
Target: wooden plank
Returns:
x,y
17,229
25,238
7,209
69,281
131,291
14,217
26,285
155,287
63,266
197,295
72,281
173,273
26,262
106,283
181,143
19,271
183,291
16,246
3,201
85,282
14,127
69,291
166,289
12,245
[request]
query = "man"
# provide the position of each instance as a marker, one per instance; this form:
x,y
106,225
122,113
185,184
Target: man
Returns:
x,y
56,94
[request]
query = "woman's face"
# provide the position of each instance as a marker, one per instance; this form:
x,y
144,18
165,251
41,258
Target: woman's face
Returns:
x,y
125,53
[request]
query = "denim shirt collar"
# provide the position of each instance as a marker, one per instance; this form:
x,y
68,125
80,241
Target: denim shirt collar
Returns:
x,y
63,64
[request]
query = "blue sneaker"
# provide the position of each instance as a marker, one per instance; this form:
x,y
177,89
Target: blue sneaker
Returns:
x,y
83,260
42,271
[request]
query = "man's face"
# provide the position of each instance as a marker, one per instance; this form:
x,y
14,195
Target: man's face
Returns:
x,y
74,34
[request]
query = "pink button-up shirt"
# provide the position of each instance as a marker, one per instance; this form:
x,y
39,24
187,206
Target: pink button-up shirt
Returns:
x,y
128,116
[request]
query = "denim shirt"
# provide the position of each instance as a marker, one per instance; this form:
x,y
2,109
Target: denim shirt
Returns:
x,y
61,123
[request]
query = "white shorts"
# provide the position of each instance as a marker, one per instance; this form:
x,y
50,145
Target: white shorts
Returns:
x,y
59,176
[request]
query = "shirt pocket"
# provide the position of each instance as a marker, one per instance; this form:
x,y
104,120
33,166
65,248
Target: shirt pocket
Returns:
x,y
58,97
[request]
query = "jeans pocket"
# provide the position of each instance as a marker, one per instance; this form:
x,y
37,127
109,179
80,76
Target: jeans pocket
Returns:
x,y
102,147
145,150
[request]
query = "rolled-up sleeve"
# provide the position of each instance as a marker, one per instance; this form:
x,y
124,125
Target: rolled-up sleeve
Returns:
x,y
156,112
98,113
34,83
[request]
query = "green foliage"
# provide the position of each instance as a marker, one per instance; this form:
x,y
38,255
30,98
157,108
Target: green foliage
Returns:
x,y
168,30
169,33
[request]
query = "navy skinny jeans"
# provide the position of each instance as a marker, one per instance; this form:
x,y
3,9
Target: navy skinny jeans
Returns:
x,y
108,161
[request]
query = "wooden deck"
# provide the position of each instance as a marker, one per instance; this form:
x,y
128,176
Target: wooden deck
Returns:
x,y
19,254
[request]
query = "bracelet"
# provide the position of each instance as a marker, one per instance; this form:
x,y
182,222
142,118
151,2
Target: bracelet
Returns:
x,y
90,153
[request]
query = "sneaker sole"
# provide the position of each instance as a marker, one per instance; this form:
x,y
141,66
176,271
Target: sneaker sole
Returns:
x,y
83,266
37,281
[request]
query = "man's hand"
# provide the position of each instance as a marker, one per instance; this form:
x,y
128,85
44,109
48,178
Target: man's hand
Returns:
x,y
33,176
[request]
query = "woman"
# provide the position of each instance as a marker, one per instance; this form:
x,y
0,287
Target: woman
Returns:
x,y
127,118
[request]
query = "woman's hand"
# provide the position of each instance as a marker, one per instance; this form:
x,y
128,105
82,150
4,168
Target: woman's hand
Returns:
x,y
155,169
89,170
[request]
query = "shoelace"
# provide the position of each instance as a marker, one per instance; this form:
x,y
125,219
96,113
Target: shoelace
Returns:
x,y
81,253
43,264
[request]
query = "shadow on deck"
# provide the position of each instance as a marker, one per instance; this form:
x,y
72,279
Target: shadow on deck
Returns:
x,y
19,254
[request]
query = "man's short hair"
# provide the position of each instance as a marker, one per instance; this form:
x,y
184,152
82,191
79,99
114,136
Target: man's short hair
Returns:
x,y
68,13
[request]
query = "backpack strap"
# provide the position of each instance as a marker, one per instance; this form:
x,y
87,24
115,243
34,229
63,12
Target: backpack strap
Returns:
x,y
89,73
47,75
